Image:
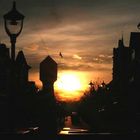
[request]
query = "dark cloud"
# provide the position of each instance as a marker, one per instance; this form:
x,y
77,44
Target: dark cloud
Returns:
x,y
88,29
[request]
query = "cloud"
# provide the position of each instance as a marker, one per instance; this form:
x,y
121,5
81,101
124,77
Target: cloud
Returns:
x,y
75,56
88,67
85,31
87,63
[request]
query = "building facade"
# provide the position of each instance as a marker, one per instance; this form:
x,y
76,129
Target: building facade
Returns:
x,y
126,63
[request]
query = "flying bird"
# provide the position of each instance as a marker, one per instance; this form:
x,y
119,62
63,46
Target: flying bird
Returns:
x,y
61,55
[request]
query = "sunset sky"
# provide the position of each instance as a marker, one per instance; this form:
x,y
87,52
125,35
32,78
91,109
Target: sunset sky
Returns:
x,y
85,31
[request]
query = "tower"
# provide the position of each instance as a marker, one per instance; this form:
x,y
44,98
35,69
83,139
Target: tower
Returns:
x,y
4,68
135,47
48,74
22,69
121,65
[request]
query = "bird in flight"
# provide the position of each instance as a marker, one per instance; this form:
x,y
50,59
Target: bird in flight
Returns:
x,y
61,55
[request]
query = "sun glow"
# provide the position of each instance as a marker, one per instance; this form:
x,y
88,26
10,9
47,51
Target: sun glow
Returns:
x,y
70,86
69,82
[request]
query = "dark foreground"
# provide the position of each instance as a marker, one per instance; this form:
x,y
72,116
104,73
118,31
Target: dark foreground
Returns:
x,y
96,136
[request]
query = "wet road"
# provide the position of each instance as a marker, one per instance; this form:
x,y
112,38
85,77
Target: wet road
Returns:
x,y
71,129
79,131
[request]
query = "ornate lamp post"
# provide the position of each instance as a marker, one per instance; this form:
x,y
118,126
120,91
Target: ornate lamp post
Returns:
x,y
13,22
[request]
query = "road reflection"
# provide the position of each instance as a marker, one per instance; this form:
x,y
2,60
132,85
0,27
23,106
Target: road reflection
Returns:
x,y
70,128
27,130
70,131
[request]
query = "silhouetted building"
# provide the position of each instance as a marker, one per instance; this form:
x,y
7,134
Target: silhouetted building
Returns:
x,y
4,86
126,65
32,87
4,68
121,65
22,69
10,72
48,73
135,47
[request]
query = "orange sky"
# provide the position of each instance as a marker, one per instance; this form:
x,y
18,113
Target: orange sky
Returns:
x,y
85,31
71,85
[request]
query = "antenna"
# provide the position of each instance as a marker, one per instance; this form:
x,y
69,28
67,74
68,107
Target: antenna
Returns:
x,y
122,34
138,26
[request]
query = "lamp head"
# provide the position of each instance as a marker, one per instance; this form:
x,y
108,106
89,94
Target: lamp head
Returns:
x,y
13,21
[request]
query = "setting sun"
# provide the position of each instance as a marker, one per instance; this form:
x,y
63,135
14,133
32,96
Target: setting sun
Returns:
x,y
70,86
69,82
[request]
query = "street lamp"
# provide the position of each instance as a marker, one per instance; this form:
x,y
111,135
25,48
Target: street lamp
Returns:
x,y
13,22
91,84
